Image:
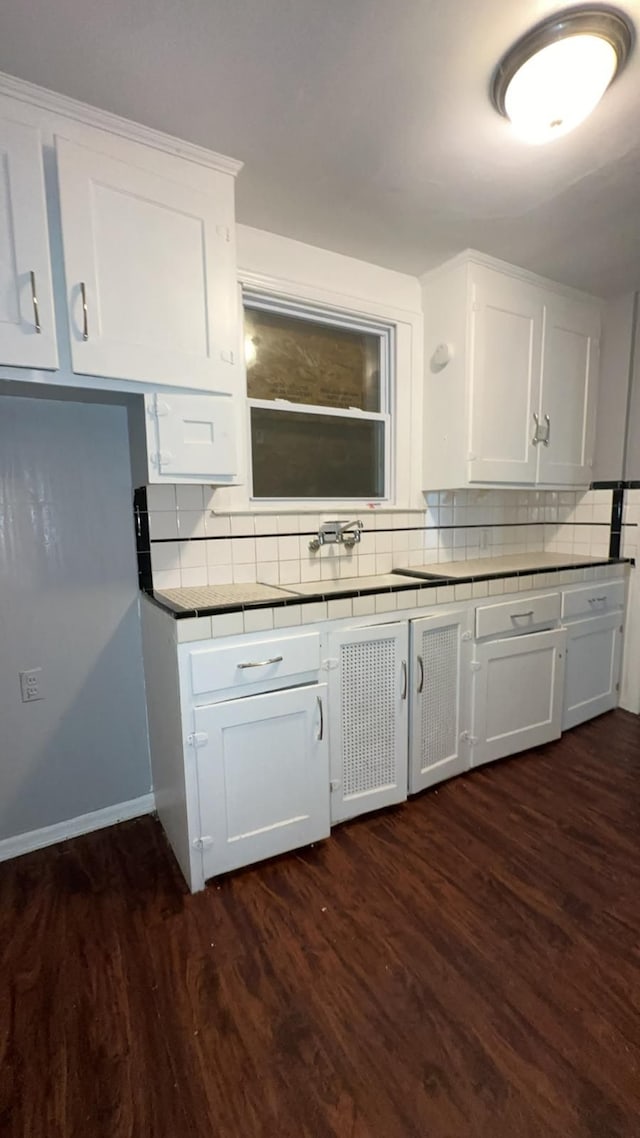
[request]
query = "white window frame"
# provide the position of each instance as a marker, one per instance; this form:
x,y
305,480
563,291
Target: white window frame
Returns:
x,y
405,405
267,302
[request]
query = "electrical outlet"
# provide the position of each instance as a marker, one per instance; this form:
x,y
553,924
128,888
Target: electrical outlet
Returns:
x,y
31,685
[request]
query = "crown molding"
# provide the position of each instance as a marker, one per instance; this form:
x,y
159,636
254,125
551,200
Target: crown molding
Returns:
x,y
92,116
474,256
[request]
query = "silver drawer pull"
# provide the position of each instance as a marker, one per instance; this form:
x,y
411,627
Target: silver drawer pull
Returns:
x,y
597,600
321,714
405,680
262,663
34,298
421,678
85,311
515,615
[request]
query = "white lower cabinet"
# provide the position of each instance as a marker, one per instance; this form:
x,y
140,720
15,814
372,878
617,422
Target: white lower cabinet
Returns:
x,y
441,648
263,776
368,700
517,693
594,655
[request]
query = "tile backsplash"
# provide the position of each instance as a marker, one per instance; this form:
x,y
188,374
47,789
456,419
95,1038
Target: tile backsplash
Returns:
x,y
182,541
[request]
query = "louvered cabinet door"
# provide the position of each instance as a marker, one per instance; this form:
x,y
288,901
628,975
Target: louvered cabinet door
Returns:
x,y
368,699
439,703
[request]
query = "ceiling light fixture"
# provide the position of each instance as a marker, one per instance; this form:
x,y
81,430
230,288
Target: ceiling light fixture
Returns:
x,y
556,74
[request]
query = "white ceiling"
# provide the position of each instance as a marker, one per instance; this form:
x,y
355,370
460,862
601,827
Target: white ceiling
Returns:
x,y
364,125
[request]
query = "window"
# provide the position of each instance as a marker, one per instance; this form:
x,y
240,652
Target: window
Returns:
x,y
318,384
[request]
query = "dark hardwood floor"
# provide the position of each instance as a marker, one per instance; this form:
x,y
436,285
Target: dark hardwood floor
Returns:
x,y
467,965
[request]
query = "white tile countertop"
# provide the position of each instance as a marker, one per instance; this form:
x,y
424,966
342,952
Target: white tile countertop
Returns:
x,y
224,610
497,566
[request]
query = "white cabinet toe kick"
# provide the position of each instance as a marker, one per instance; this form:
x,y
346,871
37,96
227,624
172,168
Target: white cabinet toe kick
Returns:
x,y
262,742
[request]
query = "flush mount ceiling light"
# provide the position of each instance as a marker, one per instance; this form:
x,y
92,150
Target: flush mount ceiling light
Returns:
x,y
556,74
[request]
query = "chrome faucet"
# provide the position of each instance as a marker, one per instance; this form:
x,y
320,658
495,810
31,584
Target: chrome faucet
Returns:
x,y
340,533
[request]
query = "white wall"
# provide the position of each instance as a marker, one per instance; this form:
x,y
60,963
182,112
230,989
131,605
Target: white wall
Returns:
x,y
615,358
68,603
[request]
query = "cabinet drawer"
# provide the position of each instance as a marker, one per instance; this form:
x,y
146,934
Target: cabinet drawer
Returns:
x,y
593,600
519,615
241,664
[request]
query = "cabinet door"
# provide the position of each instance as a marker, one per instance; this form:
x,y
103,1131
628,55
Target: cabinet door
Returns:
x,y
27,325
506,340
368,699
570,361
191,436
439,703
263,776
517,694
594,651
150,268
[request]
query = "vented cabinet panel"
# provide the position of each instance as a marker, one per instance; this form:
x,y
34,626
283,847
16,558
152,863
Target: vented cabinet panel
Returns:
x,y
439,698
368,697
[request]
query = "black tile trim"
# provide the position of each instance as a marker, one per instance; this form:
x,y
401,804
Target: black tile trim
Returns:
x,y
416,582
143,541
617,506
404,529
629,484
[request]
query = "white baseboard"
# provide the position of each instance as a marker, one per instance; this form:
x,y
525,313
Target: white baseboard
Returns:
x,y
84,824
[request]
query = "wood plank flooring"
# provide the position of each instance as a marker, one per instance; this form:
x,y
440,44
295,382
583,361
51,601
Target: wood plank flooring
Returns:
x,y
466,966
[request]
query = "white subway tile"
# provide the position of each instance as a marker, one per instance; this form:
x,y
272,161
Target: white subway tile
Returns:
x,y
189,498
364,606
218,552
339,608
244,574
227,624
191,523
385,602
258,620
289,572
314,612
194,628
288,549
163,525
219,575
167,579
216,526
268,572
161,498
193,554
190,577
243,550
165,557
286,616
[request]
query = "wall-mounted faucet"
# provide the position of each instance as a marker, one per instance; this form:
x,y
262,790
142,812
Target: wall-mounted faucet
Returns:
x,y
340,533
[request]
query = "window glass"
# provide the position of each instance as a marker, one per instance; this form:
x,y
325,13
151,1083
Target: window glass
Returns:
x,y
307,361
316,456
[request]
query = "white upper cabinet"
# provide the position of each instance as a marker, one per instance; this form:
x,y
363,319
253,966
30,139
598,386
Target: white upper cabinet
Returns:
x,y
506,337
511,374
150,270
27,326
570,360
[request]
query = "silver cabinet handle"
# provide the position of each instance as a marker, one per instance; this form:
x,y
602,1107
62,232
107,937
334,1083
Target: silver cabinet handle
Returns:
x,y
536,434
404,679
547,435
262,663
85,313
515,615
34,298
596,600
421,680
321,713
